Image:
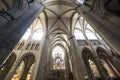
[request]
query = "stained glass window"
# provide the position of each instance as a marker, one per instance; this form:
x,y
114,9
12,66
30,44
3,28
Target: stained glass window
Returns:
x,y
30,72
19,71
58,58
107,67
80,1
90,35
38,34
94,68
35,30
79,35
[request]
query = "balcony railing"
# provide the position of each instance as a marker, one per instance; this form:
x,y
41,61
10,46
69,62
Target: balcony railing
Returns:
x,y
84,42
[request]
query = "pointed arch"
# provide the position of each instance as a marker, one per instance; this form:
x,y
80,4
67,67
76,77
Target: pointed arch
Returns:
x,y
23,66
90,63
107,62
58,58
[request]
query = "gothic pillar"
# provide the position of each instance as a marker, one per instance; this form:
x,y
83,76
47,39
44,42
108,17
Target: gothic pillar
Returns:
x,y
106,24
49,61
14,23
25,73
78,72
5,71
7,66
42,69
67,65
28,63
12,70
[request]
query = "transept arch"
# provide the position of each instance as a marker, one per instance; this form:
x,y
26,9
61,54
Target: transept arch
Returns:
x,y
24,65
90,63
108,63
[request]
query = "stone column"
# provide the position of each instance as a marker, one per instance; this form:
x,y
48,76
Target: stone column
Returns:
x,y
14,23
107,25
5,70
7,66
42,69
12,70
28,63
49,61
25,73
78,68
67,65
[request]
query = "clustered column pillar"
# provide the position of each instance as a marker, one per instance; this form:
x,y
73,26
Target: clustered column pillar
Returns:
x,y
78,74
67,65
7,66
42,69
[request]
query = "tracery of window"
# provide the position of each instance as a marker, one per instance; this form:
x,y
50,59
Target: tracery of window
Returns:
x,y
26,35
90,35
78,24
79,35
80,1
35,31
38,30
58,60
107,67
94,68
38,34
89,27
19,71
30,72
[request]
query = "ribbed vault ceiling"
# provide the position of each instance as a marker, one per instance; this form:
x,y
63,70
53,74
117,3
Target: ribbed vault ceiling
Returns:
x,y
59,13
